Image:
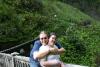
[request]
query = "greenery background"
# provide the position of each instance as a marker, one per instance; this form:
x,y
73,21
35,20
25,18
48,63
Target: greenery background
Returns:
x,y
75,22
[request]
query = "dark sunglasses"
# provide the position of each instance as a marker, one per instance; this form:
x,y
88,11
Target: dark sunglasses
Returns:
x,y
43,38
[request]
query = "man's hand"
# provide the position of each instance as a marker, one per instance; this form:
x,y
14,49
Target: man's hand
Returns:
x,y
56,51
53,50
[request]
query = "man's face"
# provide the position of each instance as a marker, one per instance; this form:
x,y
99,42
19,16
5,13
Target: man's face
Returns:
x,y
44,38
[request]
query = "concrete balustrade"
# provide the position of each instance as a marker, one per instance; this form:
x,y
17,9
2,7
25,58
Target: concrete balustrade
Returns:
x,y
9,60
6,60
21,61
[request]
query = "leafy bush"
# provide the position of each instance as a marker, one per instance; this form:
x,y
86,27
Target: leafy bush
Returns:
x,y
81,44
25,5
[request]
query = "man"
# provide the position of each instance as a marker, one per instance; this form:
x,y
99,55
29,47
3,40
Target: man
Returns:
x,y
43,39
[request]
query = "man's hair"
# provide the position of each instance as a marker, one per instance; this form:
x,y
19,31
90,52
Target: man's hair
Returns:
x,y
43,32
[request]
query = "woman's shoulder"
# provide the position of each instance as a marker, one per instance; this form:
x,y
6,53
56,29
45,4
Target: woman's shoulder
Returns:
x,y
44,47
55,46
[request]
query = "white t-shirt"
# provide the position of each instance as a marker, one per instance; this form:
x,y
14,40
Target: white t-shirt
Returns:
x,y
53,57
44,48
49,57
41,49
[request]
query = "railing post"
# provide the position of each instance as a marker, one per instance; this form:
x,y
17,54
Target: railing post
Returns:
x,y
6,60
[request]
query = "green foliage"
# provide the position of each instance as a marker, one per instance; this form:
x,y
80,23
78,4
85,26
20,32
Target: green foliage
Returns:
x,y
79,45
16,19
25,5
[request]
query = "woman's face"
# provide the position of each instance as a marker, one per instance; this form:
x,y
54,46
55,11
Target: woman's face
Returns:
x,y
52,38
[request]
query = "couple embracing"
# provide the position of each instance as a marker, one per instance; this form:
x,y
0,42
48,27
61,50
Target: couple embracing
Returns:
x,y
46,51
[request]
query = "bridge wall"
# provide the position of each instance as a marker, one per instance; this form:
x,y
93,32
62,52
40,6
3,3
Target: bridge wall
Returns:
x,y
7,60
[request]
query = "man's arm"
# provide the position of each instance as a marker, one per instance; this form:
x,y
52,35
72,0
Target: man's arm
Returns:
x,y
39,55
51,63
61,50
56,51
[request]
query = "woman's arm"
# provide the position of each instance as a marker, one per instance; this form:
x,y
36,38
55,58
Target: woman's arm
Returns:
x,y
51,63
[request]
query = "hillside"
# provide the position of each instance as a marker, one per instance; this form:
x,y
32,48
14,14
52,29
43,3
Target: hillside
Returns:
x,y
90,7
21,21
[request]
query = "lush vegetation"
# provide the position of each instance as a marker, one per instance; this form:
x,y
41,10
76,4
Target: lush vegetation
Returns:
x,y
90,7
22,20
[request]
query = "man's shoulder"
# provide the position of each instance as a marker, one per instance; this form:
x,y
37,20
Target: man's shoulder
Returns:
x,y
37,41
58,45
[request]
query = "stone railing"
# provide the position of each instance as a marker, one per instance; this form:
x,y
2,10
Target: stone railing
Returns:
x,y
7,60
11,60
21,61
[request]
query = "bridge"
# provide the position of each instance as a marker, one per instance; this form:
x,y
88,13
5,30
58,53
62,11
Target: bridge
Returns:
x,y
16,60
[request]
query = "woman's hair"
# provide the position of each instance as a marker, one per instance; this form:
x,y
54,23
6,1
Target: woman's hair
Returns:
x,y
52,33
